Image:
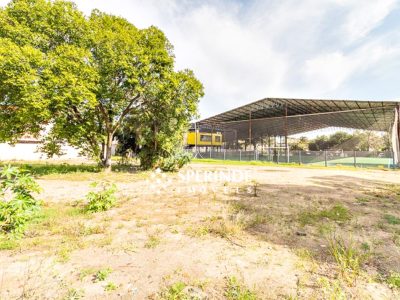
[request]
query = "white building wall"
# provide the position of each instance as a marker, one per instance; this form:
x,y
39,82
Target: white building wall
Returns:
x,y
29,151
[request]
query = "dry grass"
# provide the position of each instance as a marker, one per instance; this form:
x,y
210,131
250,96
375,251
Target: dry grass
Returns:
x,y
215,238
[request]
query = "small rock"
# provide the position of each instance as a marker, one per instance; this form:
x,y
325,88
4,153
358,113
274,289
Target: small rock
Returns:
x,y
301,233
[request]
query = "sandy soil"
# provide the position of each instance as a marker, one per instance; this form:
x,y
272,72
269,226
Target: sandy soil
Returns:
x,y
170,228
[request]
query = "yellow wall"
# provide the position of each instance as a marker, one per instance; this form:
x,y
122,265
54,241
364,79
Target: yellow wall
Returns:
x,y
191,136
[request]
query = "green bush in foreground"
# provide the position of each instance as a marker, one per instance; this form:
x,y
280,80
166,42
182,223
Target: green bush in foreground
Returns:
x,y
103,199
17,204
394,280
175,162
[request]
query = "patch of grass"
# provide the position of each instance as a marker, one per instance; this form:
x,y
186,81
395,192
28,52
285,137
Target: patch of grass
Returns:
x,y
396,238
337,213
392,220
235,290
8,243
111,286
74,294
365,247
237,207
266,163
39,169
95,229
304,254
175,292
197,231
79,172
332,289
55,218
86,272
306,260
216,225
394,280
325,228
347,257
102,274
105,241
225,228
152,242
256,219
64,254
363,199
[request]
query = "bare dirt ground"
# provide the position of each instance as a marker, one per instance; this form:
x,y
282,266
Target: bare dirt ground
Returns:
x,y
174,237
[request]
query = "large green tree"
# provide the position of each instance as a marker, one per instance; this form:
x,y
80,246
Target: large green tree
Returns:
x,y
85,75
164,118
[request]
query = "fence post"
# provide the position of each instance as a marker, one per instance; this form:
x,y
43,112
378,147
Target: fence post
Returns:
x,y
355,159
277,156
224,153
288,155
299,157
210,151
240,155
326,158
391,160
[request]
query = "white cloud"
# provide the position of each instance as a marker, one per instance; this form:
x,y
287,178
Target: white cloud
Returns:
x,y
327,72
364,16
246,50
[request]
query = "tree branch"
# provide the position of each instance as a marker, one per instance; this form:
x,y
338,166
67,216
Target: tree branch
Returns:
x,y
125,112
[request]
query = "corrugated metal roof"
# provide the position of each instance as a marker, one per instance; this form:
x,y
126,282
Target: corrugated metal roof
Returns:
x,y
281,116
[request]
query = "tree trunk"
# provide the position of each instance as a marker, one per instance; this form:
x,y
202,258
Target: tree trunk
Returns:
x,y
107,154
103,146
155,138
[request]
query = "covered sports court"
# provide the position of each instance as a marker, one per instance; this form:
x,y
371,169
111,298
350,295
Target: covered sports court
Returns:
x,y
273,120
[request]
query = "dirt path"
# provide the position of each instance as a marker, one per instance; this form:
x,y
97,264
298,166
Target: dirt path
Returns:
x,y
167,230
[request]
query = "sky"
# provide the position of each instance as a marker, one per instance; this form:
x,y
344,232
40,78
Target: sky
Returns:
x,y
246,50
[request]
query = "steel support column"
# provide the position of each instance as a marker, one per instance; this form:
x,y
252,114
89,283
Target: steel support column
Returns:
x,y
249,128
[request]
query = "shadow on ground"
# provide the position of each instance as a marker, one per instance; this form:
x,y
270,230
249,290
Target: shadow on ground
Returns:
x,y
281,213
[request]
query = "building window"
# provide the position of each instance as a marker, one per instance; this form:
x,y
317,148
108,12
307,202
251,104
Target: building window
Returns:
x,y
205,138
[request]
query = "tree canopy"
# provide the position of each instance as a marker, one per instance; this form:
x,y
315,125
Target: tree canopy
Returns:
x,y
83,77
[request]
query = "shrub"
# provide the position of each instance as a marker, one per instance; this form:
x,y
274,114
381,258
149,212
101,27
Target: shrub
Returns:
x,y
102,274
394,280
17,204
152,242
175,292
175,161
103,199
236,291
111,286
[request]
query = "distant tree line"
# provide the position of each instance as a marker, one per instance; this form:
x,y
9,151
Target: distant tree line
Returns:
x,y
359,140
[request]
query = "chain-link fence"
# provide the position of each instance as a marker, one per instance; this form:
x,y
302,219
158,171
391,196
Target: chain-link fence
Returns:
x,y
362,159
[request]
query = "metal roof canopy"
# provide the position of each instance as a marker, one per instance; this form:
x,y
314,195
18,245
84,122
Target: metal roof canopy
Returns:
x,y
288,116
